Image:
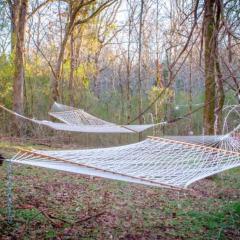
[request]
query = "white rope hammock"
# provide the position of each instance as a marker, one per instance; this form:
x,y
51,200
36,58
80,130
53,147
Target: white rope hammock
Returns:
x,y
79,120
95,128
82,127
155,161
74,116
173,162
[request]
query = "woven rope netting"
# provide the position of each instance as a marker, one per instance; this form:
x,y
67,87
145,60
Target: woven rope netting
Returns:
x,y
175,161
111,128
74,116
75,124
231,115
79,119
155,161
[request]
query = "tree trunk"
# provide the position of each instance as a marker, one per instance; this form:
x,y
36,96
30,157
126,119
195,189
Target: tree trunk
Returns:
x,y
129,71
140,66
158,82
220,101
209,54
73,12
18,39
57,73
219,80
14,9
229,48
71,92
56,76
190,93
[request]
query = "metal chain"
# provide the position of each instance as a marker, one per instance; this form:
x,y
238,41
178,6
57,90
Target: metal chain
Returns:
x,y
9,192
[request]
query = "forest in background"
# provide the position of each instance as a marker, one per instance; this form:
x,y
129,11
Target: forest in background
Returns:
x,y
124,61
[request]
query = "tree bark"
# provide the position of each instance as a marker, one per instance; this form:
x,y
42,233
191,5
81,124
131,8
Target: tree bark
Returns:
x,y
229,48
219,79
71,77
220,101
57,75
129,70
140,66
209,54
18,10
190,98
18,39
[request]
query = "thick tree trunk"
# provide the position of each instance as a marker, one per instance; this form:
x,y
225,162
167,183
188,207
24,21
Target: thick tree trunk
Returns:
x,y
209,54
14,10
18,40
219,81
18,10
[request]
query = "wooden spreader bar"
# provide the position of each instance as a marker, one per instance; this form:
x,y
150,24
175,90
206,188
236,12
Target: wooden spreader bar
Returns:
x,y
44,156
193,145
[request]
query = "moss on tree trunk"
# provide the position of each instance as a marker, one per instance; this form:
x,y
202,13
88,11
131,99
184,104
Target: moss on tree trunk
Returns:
x,y
209,54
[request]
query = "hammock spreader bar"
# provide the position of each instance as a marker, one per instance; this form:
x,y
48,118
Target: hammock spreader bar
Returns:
x,y
155,161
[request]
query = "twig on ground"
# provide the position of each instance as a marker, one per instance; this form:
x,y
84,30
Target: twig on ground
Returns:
x,y
90,217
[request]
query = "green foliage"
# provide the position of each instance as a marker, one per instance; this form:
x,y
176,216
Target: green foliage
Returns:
x,y
50,234
38,93
6,76
29,214
226,218
165,95
230,97
81,73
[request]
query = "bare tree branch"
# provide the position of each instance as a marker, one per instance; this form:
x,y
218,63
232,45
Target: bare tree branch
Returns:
x,y
39,7
95,13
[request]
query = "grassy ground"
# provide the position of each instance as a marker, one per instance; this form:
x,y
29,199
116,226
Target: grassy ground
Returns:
x,y
55,205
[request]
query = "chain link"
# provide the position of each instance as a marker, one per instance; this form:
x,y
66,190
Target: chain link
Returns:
x,y
9,192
